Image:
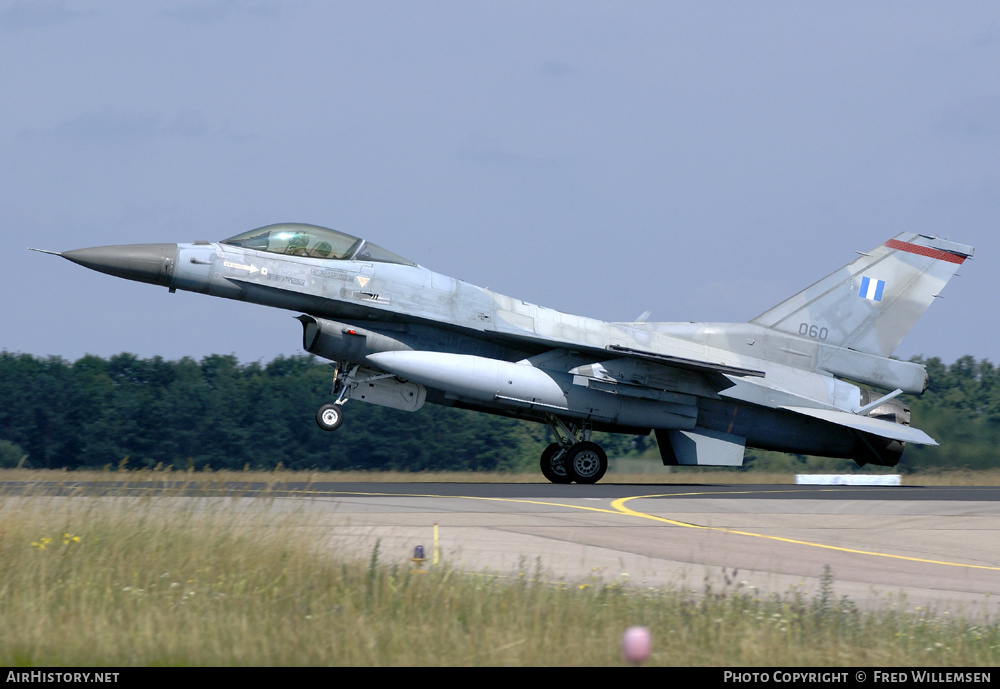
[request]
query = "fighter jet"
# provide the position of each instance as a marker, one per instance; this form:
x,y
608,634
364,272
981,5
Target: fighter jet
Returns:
x,y
812,375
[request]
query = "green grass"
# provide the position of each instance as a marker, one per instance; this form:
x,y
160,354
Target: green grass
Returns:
x,y
159,581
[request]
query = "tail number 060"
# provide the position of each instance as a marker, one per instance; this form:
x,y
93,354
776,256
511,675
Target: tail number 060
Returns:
x,y
813,331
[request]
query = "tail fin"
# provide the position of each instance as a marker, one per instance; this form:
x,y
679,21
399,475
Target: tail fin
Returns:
x,y
870,304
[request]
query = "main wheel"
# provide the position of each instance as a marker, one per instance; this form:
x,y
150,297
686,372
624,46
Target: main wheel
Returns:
x,y
329,417
554,465
586,462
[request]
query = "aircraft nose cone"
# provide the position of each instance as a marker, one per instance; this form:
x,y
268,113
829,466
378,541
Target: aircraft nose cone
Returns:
x,y
152,263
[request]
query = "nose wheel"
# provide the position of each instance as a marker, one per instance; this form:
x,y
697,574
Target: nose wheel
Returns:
x,y
330,416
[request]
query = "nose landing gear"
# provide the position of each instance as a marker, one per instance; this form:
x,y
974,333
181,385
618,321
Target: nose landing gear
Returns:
x,y
331,416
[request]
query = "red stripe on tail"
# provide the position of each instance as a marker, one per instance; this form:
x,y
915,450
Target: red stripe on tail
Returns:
x,y
925,251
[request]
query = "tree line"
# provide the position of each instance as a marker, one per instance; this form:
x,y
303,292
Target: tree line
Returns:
x,y
220,414
961,410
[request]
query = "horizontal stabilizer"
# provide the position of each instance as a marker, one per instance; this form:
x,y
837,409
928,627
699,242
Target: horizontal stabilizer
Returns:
x,y
867,424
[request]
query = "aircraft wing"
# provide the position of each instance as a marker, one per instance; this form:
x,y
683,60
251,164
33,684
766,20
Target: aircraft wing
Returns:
x,y
681,362
867,424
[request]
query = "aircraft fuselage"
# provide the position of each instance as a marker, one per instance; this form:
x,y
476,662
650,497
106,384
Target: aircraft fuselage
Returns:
x,y
403,335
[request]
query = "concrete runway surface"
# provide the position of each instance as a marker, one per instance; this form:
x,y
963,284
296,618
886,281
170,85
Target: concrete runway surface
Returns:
x,y
881,548
906,547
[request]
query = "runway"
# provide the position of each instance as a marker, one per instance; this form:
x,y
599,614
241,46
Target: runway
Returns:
x,y
910,548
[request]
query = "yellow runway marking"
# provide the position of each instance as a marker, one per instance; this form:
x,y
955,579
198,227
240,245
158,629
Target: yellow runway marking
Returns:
x,y
619,508
467,497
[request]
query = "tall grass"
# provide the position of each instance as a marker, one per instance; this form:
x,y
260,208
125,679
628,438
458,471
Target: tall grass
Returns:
x,y
161,581
166,581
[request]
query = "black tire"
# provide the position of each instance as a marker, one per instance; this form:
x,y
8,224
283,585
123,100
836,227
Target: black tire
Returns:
x,y
329,417
586,462
553,464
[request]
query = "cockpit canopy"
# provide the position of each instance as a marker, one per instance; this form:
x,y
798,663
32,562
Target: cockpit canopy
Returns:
x,y
299,239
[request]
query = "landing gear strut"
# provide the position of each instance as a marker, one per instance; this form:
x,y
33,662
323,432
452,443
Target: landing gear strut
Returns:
x,y
331,416
574,457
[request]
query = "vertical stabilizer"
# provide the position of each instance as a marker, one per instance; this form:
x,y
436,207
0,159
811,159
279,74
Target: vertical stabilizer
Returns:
x,y
870,304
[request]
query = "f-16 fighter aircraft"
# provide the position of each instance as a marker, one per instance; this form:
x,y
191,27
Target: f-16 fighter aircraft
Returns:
x,y
401,335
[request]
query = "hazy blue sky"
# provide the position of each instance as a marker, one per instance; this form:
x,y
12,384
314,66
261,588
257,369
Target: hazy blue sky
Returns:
x,y
701,159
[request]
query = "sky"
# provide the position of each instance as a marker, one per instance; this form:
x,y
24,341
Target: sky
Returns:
x,y
704,160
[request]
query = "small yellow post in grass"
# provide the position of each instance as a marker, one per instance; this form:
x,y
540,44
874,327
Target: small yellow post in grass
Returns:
x,y
435,560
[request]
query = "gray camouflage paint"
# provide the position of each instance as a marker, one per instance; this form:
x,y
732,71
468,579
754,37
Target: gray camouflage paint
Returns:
x,y
707,389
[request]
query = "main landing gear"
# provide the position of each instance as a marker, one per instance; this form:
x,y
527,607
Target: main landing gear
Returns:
x,y
571,459
331,416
